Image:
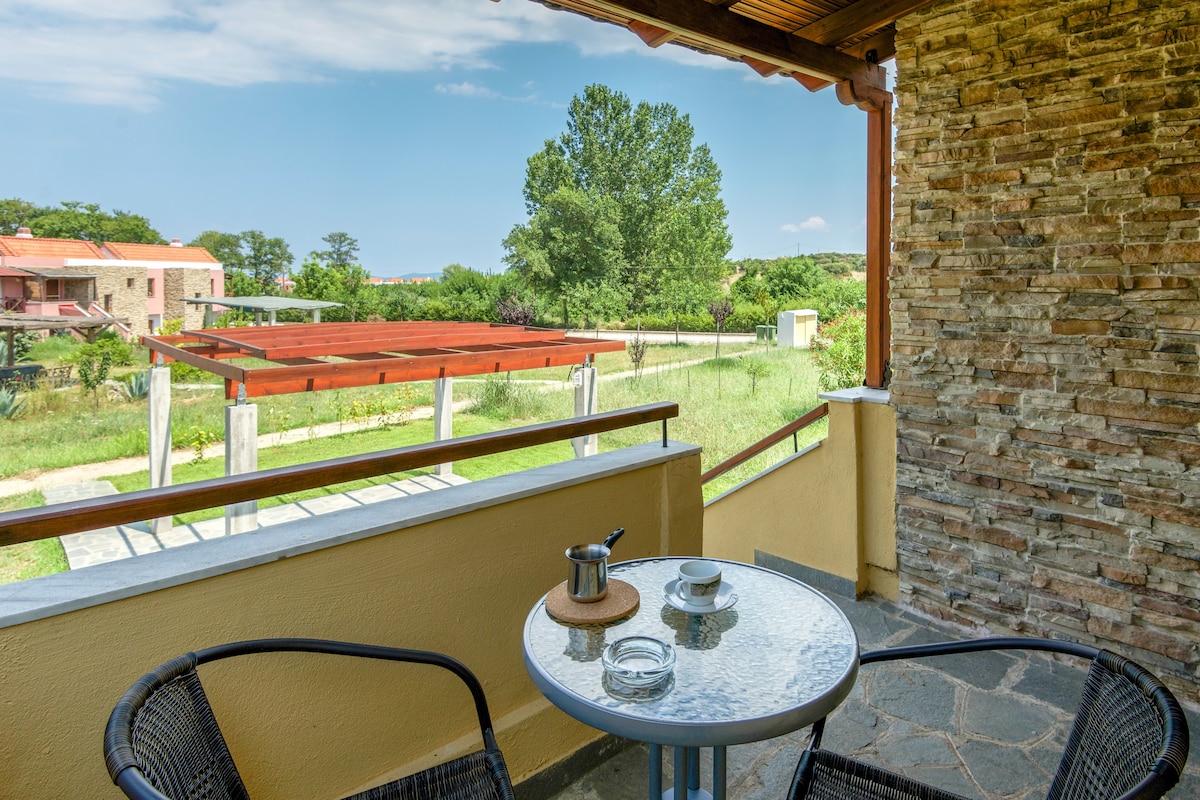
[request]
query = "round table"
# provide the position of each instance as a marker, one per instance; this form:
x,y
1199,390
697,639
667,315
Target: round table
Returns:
x,y
780,658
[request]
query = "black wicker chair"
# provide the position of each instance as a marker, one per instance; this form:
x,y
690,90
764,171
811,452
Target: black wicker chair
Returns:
x,y
1129,739
163,743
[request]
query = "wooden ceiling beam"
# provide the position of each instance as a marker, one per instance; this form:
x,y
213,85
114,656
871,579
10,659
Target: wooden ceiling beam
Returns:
x,y
651,34
763,68
883,43
859,18
724,30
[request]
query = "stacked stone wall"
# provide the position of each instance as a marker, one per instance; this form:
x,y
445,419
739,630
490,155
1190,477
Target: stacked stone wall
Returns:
x,y
182,282
1046,323
128,302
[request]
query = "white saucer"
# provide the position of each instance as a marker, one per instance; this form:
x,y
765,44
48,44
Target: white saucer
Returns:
x,y
725,599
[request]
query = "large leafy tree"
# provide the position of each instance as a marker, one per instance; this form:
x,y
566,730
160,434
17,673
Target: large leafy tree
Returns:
x,y
75,220
334,275
622,196
252,260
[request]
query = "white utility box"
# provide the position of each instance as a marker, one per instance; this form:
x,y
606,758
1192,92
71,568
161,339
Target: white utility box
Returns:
x,y
796,328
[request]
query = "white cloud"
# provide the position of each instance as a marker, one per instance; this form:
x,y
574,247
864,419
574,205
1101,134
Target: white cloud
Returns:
x,y
467,89
810,224
126,52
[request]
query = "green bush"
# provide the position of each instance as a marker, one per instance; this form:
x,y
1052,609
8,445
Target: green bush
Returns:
x,y
120,352
186,373
10,406
840,351
745,317
503,399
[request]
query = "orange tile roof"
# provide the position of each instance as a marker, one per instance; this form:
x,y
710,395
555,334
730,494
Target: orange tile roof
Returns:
x,y
158,252
21,247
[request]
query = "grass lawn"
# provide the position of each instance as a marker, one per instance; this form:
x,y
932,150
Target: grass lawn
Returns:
x,y
722,409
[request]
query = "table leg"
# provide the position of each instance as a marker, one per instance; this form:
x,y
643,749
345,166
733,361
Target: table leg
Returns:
x,y
656,790
681,774
718,773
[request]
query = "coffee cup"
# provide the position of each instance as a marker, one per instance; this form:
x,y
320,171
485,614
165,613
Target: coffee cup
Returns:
x,y
699,582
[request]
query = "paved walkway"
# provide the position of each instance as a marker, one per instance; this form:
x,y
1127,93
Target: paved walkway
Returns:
x,y
986,726
123,541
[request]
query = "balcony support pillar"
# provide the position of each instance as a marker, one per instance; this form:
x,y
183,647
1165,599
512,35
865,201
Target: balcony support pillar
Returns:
x,y
241,456
443,418
159,402
584,379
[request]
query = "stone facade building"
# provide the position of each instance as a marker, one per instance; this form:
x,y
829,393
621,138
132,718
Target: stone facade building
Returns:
x,y
1045,319
143,283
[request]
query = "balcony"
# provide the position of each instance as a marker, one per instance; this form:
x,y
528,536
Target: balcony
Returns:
x,y
456,571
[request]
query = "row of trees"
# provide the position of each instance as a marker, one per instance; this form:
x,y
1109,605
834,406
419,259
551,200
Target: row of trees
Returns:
x,y
626,223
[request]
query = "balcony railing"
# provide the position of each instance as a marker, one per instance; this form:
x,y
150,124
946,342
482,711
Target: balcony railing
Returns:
x,y
45,522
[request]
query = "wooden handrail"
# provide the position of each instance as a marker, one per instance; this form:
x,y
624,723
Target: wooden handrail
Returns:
x,y
44,522
771,439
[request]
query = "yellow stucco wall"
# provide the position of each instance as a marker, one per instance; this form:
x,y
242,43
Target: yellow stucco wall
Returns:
x,y
461,585
831,509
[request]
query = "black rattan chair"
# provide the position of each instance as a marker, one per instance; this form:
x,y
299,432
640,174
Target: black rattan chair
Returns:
x,y
163,742
1129,739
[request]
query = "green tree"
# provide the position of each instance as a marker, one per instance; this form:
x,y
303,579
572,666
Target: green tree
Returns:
x,y
342,250
632,169
793,277
345,283
17,213
266,258
77,220
94,361
224,247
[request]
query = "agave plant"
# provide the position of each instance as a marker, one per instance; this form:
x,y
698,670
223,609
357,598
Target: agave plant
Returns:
x,y
135,386
10,406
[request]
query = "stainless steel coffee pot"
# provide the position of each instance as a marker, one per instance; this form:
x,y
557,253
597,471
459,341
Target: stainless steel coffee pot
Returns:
x,y
587,581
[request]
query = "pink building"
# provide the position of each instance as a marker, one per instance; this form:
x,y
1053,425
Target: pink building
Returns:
x,y
144,283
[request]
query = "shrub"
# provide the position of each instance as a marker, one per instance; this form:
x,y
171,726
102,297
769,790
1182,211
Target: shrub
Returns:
x,y
186,373
503,399
840,351
755,368
745,317
135,386
120,352
10,406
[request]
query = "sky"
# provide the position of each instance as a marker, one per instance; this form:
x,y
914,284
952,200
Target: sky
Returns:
x,y
404,123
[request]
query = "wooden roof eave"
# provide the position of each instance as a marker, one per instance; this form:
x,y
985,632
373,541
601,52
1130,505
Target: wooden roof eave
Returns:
x,y
713,26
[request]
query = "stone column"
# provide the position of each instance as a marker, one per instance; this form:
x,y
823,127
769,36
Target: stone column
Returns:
x,y
584,379
443,418
241,456
159,401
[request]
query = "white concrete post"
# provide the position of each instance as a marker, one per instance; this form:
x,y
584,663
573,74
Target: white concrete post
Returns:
x,y
584,379
316,315
241,456
271,317
159,401
443,418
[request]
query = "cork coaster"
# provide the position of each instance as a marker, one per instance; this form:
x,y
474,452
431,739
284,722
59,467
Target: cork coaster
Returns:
x,y
621,601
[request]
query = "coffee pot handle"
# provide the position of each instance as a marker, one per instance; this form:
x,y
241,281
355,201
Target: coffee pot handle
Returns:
x,y
612,537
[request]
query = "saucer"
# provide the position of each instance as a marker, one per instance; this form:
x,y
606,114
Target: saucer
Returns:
x,y
725,599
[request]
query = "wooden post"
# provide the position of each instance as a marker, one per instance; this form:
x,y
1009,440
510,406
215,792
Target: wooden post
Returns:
x,y
878,105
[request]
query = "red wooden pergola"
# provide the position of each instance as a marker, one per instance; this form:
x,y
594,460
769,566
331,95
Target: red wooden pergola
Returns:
x,y
336,355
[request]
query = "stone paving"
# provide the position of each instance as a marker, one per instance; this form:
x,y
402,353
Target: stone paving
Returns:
x,y
123,541
985,726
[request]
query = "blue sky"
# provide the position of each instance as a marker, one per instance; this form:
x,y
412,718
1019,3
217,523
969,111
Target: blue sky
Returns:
x,y
405,123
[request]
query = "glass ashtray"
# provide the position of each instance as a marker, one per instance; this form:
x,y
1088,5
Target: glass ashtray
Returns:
x,y
638,660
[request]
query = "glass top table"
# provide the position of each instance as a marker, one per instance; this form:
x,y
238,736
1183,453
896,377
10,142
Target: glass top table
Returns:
x,y
780,658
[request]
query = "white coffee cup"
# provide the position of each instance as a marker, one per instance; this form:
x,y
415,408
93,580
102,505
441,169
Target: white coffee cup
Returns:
x,y
699,582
